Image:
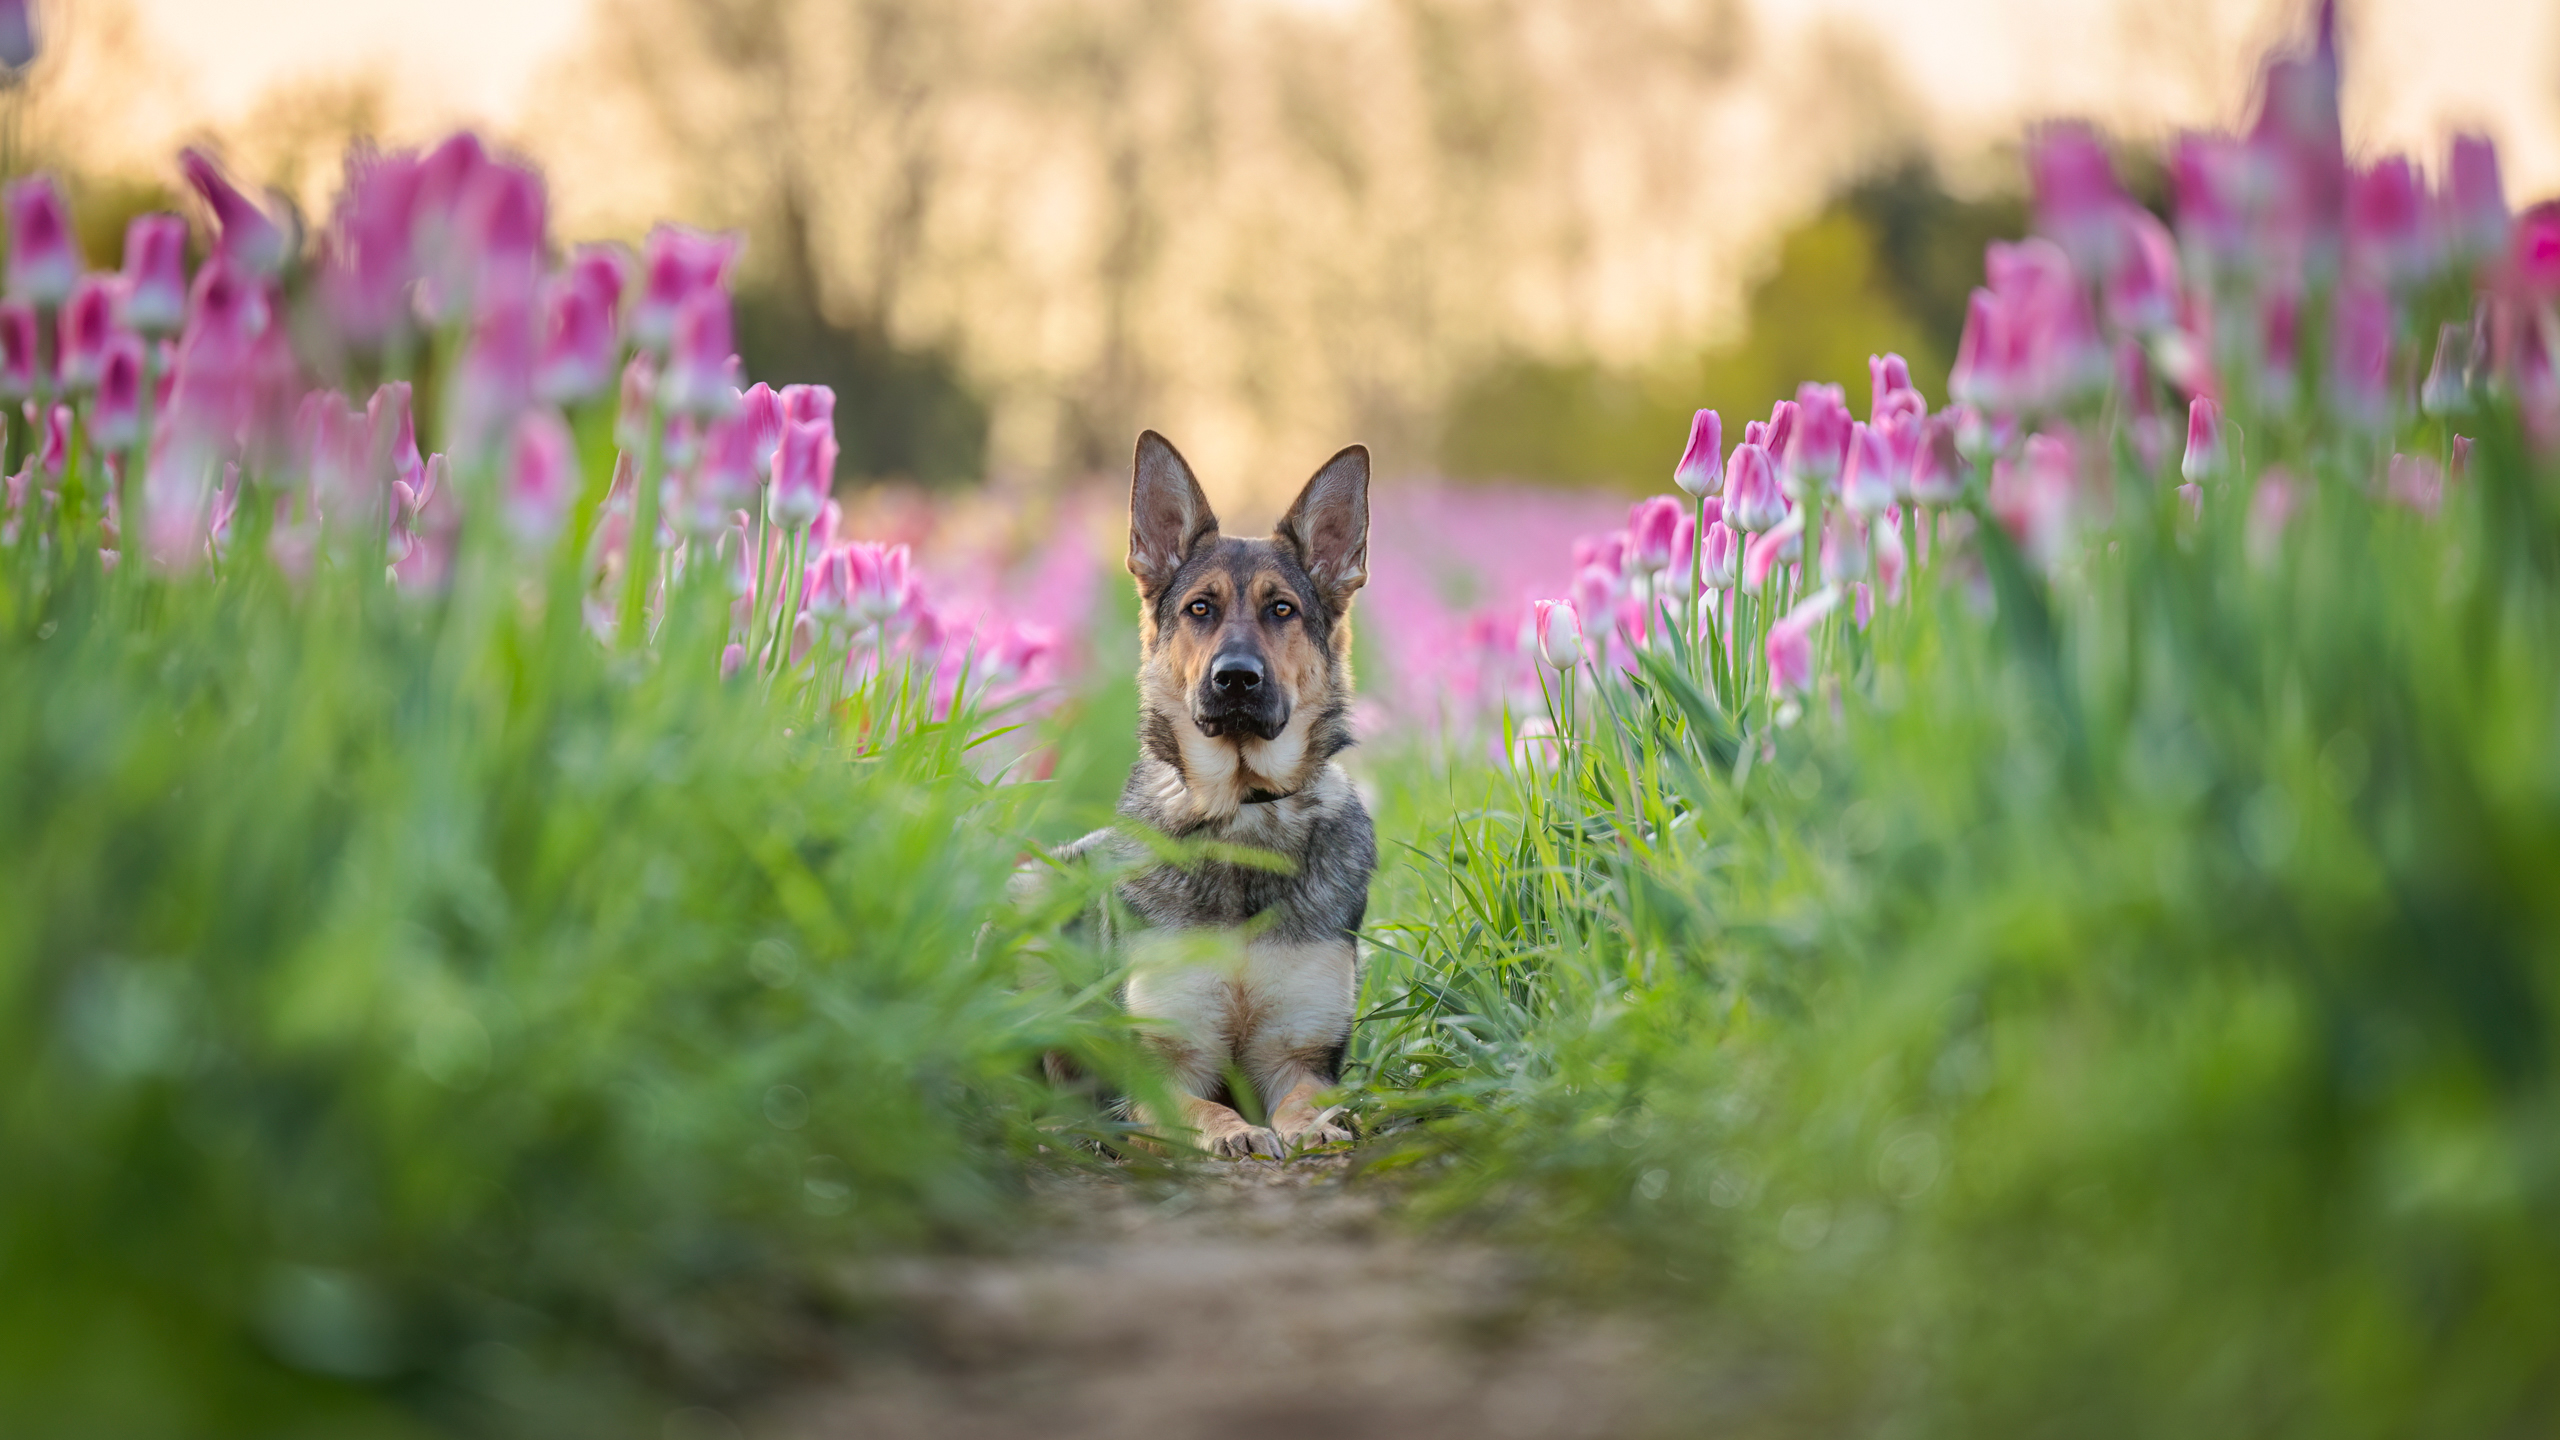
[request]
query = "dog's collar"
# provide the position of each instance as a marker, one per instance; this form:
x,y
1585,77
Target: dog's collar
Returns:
x,y
1265,797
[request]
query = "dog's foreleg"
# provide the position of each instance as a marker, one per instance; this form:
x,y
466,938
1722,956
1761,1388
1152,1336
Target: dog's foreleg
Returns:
x,y
1300,1119
1217,1128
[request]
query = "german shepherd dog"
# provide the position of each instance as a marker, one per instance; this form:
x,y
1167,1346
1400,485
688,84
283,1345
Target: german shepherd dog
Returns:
x,y
1244,685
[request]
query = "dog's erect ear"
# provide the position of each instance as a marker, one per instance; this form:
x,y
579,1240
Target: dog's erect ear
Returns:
x,y
1329,526
1169,516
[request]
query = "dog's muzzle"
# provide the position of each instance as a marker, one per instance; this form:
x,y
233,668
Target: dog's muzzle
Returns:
x,y
1237,697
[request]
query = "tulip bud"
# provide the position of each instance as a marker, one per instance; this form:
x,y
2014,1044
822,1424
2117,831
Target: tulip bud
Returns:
x,y
1980,375
879,586
1652,525
1937,461
1559,633
493,381
675,263
804,471
1770,549
2461,456
578,341
2417,482
762,411
1781,431
83,328
810,402
1820,439
702,360
639,401
115,419
17,350
247,236
44,258
1790,646
723,480
1866,481
1701,468
1721,556
1844,546
2361,357
540,476
2077,199
2142,286
1888,379
2206,457
827,589
2387,241
732,656
1893,562
1754,502
1595,592
155,273
57,440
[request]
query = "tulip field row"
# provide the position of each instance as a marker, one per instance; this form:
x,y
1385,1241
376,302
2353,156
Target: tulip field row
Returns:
x,y
2023,910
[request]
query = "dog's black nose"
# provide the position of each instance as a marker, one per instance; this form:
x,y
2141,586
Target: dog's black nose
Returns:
x,y
1237,674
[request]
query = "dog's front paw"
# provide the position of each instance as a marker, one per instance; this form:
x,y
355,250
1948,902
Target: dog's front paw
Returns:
x,y
1329,1127
1246,1143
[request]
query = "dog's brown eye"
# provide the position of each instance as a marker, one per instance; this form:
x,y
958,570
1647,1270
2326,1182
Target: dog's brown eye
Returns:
x,y
1282,610
1199,608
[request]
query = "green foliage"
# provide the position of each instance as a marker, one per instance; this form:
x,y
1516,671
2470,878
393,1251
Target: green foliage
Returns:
x,y
414,1014
2128,1014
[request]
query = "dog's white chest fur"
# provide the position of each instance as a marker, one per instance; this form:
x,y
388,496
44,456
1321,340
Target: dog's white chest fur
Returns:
x,y
1257,1002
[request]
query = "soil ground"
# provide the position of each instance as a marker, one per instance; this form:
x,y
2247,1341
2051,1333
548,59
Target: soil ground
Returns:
x,y
1252,1299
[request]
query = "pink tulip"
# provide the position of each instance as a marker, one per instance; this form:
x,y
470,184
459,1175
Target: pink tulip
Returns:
x,y
227,314
878,586
17,350
762,411
2387,239
1595,591
2279,351
1781,430
2473,217
810,402
2034,498
1893,563
1819,441
369,255
2532,265
2417,482
115,419
499,232
1866,481
2271,510
675,263
2142,286
1754,502
248,237
87,322
1790,647
2361,355
1889,389
1652,527
1722,555
804,471
732,656
2077,199
2461,456
44,254
1845,554
1938,466
395,436
702,361
2216,180
1981,373
632,421
539,476
1770,549
17,37
1559,628
493,381
57,440
155,273
1701,467
1019,651
826,591
579,346
723,478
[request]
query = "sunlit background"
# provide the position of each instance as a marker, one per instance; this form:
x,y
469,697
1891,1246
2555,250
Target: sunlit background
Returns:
x,y
1493,238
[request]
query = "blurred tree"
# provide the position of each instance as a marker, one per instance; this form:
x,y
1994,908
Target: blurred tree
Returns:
x,y
1885,266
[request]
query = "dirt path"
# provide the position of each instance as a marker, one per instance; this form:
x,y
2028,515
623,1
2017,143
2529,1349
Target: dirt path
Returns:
x,y
1258,1300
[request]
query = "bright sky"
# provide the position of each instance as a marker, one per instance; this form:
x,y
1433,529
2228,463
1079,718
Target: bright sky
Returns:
x,y
1981,63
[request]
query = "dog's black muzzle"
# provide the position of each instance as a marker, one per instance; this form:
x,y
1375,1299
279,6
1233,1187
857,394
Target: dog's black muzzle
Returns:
x,y
1237,697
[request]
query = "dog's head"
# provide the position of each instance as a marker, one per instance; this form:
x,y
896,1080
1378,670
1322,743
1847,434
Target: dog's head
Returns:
x,y
1248,640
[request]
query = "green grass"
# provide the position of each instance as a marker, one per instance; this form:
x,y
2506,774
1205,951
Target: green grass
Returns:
x,y
415,1016
2128,1014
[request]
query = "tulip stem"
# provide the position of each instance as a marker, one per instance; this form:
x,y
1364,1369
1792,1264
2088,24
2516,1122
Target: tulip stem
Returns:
x,y
789,611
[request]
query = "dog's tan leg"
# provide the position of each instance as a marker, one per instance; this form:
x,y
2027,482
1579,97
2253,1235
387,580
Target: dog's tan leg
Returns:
x,y
1216,1128
1299,1119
